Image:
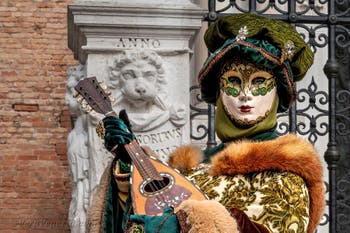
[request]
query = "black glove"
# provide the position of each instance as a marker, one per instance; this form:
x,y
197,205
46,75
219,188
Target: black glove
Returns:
x,y
118,132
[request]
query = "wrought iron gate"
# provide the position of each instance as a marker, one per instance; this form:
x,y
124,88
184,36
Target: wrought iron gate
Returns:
x,y
322,110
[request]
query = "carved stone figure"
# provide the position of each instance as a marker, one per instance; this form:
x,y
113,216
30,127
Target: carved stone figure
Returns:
x,y
78,157
137,80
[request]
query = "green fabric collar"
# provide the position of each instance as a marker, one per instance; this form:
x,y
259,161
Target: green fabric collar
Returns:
x,y
228,131
264,136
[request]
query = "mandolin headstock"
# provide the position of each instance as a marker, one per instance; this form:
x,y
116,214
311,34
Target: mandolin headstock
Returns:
x,y
93,96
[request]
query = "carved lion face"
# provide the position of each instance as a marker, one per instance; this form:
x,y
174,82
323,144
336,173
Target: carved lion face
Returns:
x,y
138,81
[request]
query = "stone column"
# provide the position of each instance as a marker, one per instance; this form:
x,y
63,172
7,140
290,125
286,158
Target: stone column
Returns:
x,y
142,50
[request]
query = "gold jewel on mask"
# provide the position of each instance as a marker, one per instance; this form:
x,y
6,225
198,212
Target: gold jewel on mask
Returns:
x,y
288,50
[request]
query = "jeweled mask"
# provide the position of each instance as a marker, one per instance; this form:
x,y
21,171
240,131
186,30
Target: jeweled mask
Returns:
x,y
247,91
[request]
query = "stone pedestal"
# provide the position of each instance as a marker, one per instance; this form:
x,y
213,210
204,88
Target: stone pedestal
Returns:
x,y
142,50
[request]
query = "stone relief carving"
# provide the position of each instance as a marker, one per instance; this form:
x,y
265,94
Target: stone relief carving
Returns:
x,y
137,81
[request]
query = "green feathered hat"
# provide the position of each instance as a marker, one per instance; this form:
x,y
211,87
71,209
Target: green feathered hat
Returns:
x,y
265,42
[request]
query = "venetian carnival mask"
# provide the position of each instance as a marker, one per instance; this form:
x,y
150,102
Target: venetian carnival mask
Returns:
x,y
247,92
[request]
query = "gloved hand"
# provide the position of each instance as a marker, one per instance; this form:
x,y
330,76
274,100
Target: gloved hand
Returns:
x,y
167,223
118,132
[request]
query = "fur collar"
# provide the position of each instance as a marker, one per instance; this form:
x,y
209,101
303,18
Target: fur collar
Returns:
x,y
286,153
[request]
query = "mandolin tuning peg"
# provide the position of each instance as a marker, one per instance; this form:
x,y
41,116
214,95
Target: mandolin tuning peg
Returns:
x,y
108,93
80,100
112,99
104,87
84,104
88,109
75,94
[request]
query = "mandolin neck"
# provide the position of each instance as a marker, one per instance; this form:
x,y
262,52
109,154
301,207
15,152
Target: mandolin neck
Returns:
x,y
140,158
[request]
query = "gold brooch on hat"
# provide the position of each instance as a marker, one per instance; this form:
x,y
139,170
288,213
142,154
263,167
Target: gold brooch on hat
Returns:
x,y
288,50
242,33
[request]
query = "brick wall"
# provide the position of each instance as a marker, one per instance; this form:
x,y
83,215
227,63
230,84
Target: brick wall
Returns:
x,y
34,121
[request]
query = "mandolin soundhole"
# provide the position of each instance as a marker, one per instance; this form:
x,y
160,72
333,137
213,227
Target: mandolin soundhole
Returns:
x,y
156,186
162,194
150,188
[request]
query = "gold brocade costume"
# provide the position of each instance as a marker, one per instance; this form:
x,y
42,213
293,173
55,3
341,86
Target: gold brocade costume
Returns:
x,y
278,200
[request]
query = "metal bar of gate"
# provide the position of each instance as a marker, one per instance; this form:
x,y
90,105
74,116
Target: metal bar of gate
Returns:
x,y
332,155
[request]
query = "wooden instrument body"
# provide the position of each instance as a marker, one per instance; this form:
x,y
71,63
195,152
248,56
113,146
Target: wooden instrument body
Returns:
x,y
177,190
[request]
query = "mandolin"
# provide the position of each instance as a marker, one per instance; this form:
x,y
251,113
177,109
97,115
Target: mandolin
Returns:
x,y
154,185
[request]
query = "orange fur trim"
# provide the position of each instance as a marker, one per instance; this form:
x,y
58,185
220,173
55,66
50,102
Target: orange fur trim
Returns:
x,y
186,157
286,153
208,217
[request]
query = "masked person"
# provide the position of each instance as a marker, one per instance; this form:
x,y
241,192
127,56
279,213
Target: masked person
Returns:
x,y
256,180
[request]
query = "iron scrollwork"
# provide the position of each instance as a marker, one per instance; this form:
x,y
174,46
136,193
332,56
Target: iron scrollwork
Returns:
x,y
343,123
316,39
198,131
313,125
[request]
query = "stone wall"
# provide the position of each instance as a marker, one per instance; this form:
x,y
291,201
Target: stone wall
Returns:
x,y
34,121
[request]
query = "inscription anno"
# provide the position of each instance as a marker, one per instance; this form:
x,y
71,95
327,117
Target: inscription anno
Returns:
x,y
137,43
